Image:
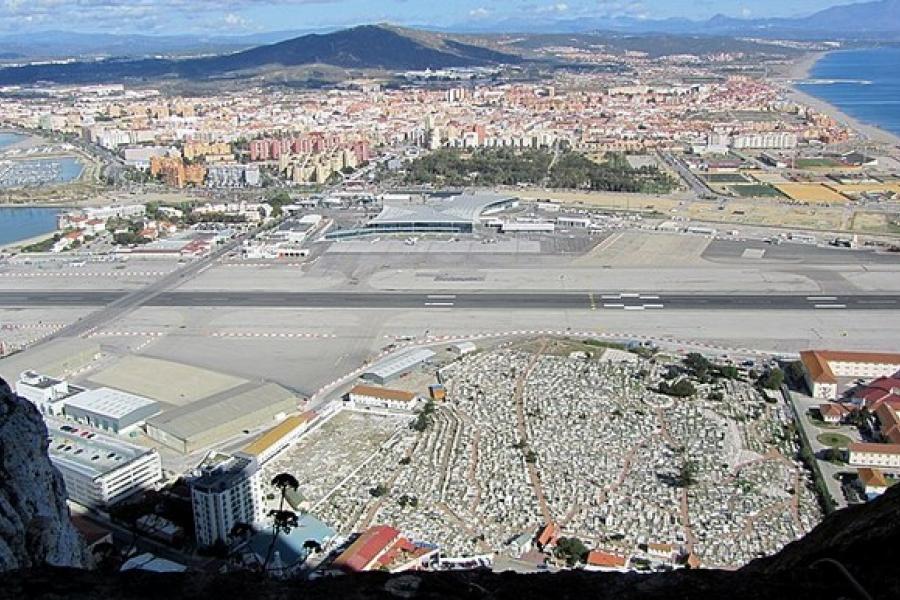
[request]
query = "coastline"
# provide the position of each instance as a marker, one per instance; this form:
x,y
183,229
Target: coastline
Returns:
x,y
799,70
15,246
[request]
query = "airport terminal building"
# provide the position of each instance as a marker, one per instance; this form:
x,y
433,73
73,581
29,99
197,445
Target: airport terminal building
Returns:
x,y
451,215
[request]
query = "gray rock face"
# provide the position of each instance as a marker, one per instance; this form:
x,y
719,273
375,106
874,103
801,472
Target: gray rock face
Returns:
x,y
35,529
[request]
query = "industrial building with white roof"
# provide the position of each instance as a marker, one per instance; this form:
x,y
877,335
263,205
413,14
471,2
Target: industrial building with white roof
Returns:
x,y
454,214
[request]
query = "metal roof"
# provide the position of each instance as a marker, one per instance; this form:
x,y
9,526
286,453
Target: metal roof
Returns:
x,y
90,457
399,363
110,403
192,420
465,208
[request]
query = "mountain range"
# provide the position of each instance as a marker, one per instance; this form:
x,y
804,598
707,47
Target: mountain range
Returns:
x,y
875,20
365,47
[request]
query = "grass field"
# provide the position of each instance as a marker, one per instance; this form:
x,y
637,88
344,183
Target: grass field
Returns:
x,y
817,163
755,190
834,440
811,193
743,212
726,178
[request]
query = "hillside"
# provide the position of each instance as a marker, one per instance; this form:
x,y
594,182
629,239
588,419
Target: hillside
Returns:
x,y
365,47
873,20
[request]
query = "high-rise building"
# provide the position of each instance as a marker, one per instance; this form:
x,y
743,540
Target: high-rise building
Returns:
x,y
227,491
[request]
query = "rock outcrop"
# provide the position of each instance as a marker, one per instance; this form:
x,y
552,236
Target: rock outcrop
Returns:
x,y
35,529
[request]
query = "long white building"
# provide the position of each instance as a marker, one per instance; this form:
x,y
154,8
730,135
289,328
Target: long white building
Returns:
x,y
227,491
100,470
886,456
823,368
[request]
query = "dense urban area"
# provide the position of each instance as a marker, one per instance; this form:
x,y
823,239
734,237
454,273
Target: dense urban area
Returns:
x,y
594,308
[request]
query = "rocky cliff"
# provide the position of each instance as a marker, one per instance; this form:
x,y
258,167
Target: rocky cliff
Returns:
x,y
35,529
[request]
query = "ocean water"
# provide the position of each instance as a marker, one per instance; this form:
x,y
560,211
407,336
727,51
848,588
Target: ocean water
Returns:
x,y
864,84
22,223
8,139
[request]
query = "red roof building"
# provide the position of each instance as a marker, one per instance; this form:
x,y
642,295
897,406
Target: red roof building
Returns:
x,y
548,535
365,552
599,559
884,390
889,423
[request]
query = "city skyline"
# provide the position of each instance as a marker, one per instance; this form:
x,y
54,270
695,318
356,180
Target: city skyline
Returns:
x,y
256,16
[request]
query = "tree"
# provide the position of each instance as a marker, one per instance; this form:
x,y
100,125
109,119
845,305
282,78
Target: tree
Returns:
x,y
378,491
283,521
680,389
571,549
772,379
795,375
687,474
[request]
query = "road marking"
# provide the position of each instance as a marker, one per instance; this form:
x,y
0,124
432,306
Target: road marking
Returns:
x,y
438,304
649,297
442,296
634,307
629,295
653,306
838,306
613,306
821,298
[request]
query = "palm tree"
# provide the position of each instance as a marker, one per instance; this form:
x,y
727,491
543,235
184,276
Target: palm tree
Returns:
x,y
282,520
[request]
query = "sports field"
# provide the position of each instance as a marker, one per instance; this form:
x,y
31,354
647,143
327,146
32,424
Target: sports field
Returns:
x,y
811,193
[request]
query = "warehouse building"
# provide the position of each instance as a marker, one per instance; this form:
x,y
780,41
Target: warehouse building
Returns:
x,y
57,359
99,470
454,214
279,437
110,410
219,417
397,365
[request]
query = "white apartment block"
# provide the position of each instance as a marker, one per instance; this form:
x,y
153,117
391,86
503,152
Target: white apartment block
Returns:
x,y
227,491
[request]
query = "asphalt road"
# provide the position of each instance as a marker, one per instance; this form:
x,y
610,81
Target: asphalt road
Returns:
x,y
449,300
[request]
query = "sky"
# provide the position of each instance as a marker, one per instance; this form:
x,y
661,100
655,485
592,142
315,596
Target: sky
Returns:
x,y
225,17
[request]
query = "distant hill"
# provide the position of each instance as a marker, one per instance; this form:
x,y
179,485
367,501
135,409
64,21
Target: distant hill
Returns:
x,y
66,44
365,47
878,20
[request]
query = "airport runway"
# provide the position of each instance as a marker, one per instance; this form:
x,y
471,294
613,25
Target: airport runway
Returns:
x,y
465,301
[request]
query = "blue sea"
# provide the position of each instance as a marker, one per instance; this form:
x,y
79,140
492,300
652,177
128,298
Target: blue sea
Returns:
x,y
8,139
865,84
18,224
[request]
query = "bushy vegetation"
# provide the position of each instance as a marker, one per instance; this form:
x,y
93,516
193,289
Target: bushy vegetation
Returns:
x,y
680,389
504,166
571,549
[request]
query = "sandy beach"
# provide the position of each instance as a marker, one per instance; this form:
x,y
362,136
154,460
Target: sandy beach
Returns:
x,y
14,246
799,70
